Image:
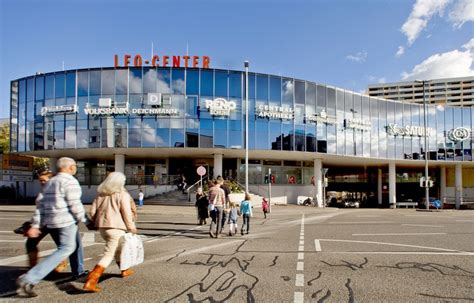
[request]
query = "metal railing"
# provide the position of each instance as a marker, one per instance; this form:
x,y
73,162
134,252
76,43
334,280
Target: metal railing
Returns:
x,y
189,189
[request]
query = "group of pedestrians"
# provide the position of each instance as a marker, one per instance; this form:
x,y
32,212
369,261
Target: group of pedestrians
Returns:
x,y
59,211
217,205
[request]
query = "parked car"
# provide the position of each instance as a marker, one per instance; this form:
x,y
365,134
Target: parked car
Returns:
x,y
435,203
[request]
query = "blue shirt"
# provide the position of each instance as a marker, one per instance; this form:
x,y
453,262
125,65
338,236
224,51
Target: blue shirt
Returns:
x,y
246,208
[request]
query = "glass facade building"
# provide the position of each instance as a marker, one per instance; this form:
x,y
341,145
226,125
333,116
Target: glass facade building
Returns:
x,y
154,109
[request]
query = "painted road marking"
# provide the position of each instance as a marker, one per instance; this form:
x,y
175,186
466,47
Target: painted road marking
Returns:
x,y
422,225
402,234
299,297
300,256
414,253
299,280
363,222
317,245
300,266
401,245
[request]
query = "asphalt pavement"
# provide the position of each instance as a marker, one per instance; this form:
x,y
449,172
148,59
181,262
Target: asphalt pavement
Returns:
x,y
297,254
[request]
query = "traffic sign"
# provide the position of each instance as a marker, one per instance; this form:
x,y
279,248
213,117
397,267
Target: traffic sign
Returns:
x,y
201,170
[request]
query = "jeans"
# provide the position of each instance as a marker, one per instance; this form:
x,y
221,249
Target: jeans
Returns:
x,y
66,241
218,210
246,218
140,202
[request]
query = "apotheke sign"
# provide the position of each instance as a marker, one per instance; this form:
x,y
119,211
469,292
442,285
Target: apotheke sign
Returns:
x,y
274,112
220,107
409,130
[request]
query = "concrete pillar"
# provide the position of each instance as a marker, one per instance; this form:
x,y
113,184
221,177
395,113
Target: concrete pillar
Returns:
x,y
120,163
52,165
217,165
379,187
442,183
318,182
392,185
458,182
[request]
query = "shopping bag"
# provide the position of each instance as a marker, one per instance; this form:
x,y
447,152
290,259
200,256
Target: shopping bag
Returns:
x,y
132,251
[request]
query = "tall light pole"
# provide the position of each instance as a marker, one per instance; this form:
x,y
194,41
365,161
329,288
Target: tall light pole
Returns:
x,y
427,189
246,64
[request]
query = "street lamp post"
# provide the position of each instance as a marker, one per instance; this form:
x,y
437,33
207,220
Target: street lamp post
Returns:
x,y
246,64
426,183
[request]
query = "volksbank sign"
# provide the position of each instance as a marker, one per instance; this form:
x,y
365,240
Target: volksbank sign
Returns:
x,y
126,110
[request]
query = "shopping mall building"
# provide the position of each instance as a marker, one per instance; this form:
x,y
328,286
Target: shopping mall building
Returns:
x,y
154,122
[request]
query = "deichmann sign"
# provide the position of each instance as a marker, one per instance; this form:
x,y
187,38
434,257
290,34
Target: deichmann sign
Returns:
x,y
459,134
220,107
125,110
274,112
164,61
409,130
58,109
322,117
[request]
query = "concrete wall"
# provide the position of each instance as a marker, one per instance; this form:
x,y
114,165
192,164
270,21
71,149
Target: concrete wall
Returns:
x,y
283,193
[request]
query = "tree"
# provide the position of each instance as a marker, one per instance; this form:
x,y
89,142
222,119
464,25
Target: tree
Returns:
x,y
5,138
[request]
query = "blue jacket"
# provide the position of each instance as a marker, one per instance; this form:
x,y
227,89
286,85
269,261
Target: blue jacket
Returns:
x,y
246,208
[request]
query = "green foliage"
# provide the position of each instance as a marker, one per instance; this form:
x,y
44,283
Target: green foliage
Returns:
x,y
40,162
234,187
5,138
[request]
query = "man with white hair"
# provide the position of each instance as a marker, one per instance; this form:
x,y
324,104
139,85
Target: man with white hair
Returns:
x,y
58,211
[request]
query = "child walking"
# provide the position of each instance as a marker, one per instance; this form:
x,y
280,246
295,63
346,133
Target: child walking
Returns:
x,y
233,216
265,207
246,211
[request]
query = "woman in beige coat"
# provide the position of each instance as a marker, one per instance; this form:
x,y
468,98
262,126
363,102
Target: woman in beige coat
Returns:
x,y
112,215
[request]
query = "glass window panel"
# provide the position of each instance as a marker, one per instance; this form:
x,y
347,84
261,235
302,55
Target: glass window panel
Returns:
x,y
220,133
391,139
252,86
262,87
235,85
288,88
148,137
94,83
135,81
192,103
206,133
121,81
71,84
163,133
150,78
178,81
82,83
439,133
382,107
374,138
299,137
30,89
299,92
59,85
349,112
49,87
236,134
39,88
367,135
107,78
288,135
221,84
177,132
275,135
262,136
192,133
192,82
134,137
275,89
340,135
207,83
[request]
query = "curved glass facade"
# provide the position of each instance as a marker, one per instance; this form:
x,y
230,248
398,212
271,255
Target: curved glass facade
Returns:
x,y
204,108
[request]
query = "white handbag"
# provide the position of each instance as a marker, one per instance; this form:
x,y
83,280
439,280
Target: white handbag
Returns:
x,y
132,251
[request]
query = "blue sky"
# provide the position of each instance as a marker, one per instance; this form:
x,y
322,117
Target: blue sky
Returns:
x,y
344,43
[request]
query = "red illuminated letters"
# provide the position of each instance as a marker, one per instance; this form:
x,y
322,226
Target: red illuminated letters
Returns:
x,y
138,61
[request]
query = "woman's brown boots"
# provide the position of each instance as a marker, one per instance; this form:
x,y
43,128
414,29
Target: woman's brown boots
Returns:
x,y
93,278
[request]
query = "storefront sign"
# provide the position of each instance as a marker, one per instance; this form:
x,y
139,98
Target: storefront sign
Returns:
x,y
58,109
163,61
409,130
358,124
125,110
459,134
274,112
322,117
220,107
154,99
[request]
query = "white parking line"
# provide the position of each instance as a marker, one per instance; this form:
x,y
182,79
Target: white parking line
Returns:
x,y
422,225
402,234
317,245
401,245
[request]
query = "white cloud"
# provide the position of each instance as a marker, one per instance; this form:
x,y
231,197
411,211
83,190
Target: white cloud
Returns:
x,y
400,51
455,63
462,12
423,11
382,80
359,57
469,45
